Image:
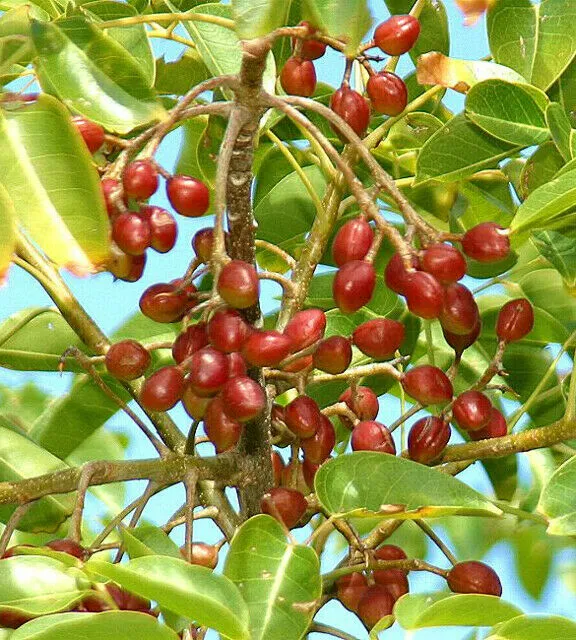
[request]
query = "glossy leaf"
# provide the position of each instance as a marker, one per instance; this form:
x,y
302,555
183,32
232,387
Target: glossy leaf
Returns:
x,y
23,405
564,92
54,189
510,112
120,625
7,232
559,126
447,609
394,487
188,590
76,59
256,18
148,540
558,500
558,249
540,168
278,580
537,40
180,76
535,628
533,555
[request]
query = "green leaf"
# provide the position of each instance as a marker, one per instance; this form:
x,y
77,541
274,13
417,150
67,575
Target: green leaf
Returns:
x,y
564,92
21,406
48,175
188,590
533,555
560,251
458,150
76,59
549,205
394,487
537,40
558,500
349,21
447,609
120,625
510,112
413,130
178,77
559,126
7,232
535,628
279,581
35,585
148,540
256,18
540,168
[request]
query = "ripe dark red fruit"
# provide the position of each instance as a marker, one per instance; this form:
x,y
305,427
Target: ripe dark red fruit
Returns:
x,y
353,285
243,398
310,49
205,555
238,284
92,133
194,404
208,371
162,390
319,447
189,341
236,365
427,385
309,470
370,435
302,416
227,330
352,108
66,545
333,355
305,328
293,477
474,577
364,403
127,601
137,264
277,467
140,179
486,243
13,619
203,242
286,505
460,313
298,77
515,320
389,552
394,581
353,241
395,273
162,303
131,232
127,360
379,338
163,228
266,348
460,343
424,294
298,365
222,431
93,603
375,603
472,410
397,35
444,262
350,589
427,439
387,92
109,186
188,196
496,427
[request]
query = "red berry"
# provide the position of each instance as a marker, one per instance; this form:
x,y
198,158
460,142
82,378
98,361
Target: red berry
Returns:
x,y
353,241
131,232
444,262
395,273
137,265
222,431
353,285
364,403
66,545
486,243
13,619
266,348
515,320
287,505
310,49
375,603
394,581
397,35
228,331
427,385
208,371
472,410
319,447
460,313
127,360
127,601
109,186
352,108
203,242
188,196
427,439
424,294
298,77
298,365
387,92
162,390
309,470
161,302
238,284
194,404
302,416
92,133
350,589
496,427
370,435
474,577
236,365
189,341
277,467
140,179
333,355
379,338
163,228
389,552
204,555
460,343
93,604
305,328
243,398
